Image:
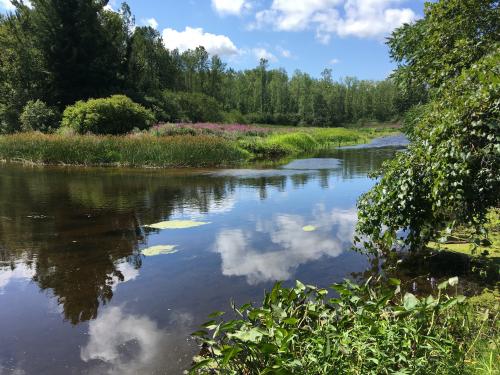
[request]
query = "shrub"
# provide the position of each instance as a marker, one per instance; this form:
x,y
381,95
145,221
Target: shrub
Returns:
x,y
368,329
115,115
39,116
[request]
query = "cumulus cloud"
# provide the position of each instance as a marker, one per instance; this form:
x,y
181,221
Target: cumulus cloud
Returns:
x,y
262,53
191,38
334,61
230,7
292,245
359,18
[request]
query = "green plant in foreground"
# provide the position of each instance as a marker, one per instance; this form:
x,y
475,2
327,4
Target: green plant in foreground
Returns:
x,y
368,329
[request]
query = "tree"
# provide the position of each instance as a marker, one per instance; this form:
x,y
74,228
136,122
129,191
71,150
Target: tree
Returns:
x,y
450,173
79,58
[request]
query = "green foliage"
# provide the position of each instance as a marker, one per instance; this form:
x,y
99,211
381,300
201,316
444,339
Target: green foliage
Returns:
x,y
39,116
73,38
61,52
368,329
115,115
450,174
452,36
172,145
301,141
198,107
132,151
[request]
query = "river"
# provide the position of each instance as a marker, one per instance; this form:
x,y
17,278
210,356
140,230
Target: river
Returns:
x,y
77,295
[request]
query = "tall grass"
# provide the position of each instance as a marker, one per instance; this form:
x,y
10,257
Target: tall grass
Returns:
x,y
142,151
303,141
202,145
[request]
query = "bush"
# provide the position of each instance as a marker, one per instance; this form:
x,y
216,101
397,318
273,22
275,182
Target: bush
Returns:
x,y
368,329
39,116
115,115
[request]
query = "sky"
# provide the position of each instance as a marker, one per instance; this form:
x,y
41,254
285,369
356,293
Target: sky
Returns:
x,y
310,35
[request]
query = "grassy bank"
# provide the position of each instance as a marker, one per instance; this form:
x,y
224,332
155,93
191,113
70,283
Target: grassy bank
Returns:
x,y
203,145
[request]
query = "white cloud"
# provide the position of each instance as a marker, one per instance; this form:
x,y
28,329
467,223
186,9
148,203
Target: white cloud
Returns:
x,y
262,53
292,245
151,22
230,7
334,61
191,38
7,5
359,18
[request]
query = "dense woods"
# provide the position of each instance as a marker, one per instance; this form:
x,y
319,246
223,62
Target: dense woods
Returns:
x,y
59,52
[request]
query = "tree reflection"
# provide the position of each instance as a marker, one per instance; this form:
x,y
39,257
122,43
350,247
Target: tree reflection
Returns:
x,y
74,230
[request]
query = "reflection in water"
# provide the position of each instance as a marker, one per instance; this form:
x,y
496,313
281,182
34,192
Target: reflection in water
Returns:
x,y
289,245
121,343
77,235
20,271
135,337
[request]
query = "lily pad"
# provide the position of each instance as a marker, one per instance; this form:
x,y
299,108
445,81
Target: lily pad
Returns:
x,y
309,228
159,250
177,224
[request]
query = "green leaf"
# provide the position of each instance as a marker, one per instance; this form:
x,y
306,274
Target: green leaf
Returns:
x,y
410,301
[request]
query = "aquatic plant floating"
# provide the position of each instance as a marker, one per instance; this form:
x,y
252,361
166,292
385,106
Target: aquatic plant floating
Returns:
x,y
309,228
159,250
177,224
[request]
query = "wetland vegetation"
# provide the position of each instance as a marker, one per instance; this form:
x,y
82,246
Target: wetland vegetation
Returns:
x,y
418,244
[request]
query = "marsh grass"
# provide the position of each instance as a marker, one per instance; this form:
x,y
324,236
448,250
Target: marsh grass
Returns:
x,y
131,151
184,146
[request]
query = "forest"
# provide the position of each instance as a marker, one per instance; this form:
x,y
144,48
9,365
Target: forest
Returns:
x,y
50,59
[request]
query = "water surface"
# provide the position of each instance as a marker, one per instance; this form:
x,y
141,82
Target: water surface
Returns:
x,y
77,296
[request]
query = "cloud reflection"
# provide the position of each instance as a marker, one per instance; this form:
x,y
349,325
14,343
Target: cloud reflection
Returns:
x,y
124,344
20,272
113,333
292,246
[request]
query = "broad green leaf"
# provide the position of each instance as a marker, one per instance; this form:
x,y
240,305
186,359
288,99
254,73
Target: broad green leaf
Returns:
x,y
410,301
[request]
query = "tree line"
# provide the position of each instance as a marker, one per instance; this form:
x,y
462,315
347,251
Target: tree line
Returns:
x,y
59,52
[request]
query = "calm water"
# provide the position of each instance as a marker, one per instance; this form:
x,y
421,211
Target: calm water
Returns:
x,y
77,296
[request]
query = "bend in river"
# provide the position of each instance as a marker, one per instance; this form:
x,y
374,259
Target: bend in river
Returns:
x,y
79,295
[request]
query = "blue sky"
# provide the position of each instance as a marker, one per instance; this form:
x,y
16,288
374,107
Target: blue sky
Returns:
x,y
310,35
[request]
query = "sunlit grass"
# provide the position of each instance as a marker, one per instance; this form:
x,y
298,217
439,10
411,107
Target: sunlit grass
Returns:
x,y
218,146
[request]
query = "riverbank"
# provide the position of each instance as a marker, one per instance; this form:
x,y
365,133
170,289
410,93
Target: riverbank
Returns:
x,y
180,146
